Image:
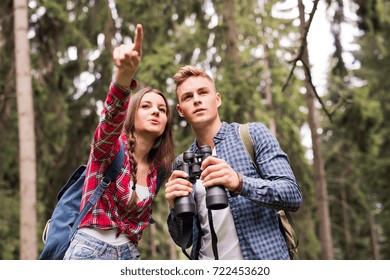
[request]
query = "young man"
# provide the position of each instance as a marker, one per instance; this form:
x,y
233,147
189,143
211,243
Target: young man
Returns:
x,y
248,228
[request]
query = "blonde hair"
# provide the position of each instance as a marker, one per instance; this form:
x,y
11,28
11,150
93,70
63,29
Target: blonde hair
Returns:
x,y
189,71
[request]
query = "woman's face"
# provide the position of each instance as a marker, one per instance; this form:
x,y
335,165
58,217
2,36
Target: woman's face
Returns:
x,y
151,117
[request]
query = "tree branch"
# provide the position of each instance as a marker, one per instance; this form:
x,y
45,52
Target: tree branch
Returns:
x,y
299,57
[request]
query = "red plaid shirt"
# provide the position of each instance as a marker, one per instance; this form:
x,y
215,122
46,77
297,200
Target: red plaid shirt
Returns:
x,y
109,212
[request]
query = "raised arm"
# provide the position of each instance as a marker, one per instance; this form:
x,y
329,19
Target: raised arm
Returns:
x,y
127,59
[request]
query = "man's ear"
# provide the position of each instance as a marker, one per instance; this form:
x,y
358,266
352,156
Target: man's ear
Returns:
x,y
219,99
178,108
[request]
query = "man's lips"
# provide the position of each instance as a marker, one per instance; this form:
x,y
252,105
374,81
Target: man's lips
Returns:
x,y
199,111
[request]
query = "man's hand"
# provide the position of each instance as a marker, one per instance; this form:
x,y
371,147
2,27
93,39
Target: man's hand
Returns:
x,y
218,172
177,186
127,59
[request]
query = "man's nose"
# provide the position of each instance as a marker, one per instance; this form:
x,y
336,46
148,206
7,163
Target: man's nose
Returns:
x,y
196,98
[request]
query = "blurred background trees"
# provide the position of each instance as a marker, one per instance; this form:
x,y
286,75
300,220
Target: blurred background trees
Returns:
x,y
261,54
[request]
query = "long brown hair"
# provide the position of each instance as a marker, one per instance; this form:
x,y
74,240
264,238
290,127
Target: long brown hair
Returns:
x,y
162,153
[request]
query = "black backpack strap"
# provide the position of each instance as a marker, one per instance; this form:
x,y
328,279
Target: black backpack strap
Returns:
x,y
159,182
160,179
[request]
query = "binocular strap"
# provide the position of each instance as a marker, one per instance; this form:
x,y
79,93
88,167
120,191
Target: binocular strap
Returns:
x,y
214,238
187,228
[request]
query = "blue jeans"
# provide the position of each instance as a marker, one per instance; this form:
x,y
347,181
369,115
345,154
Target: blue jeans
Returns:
x,y
86,247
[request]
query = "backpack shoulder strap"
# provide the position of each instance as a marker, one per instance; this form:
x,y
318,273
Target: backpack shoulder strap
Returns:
x,y
160,179
115,167
110,175
247,141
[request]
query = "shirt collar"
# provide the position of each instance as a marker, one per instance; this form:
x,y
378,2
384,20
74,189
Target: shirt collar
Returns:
x,y
221,134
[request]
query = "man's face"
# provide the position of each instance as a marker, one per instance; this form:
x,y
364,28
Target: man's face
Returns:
x,y
198,101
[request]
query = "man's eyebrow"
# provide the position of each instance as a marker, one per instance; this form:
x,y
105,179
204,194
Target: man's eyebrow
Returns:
x,y
186,93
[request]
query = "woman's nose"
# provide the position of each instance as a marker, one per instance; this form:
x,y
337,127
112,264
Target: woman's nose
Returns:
x,y
155,110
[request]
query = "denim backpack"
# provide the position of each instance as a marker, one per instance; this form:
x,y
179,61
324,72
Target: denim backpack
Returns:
x,y
66,216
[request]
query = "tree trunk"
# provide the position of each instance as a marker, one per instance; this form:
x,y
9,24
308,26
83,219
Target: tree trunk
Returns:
x,y
267,77
349,249
172,249
374,238
268,92
27,159
153,238
232,35
318,162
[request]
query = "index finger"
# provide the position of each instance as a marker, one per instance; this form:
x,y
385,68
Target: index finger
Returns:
x,y
138,39
178,174
210,161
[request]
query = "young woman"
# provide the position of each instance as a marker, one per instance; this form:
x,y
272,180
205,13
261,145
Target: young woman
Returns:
x,y
142,123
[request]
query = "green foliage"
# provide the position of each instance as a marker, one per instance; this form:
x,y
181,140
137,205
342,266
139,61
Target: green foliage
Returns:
x,y
356,145
9,217
72,40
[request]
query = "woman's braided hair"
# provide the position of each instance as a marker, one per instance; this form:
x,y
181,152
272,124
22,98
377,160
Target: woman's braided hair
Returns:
x,y
132,204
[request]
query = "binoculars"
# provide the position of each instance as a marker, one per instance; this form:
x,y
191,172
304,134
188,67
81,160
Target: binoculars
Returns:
x,y
216,197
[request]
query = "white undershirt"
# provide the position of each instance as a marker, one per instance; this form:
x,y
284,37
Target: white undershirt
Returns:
x,y
109,236
228,244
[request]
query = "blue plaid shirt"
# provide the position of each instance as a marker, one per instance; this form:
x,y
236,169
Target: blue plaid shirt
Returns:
x,y
255,209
